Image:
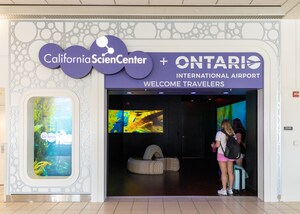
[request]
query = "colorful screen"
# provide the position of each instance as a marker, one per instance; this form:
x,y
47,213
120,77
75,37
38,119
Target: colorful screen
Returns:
x,y
135,121
52,136
143,121
115,121
230,112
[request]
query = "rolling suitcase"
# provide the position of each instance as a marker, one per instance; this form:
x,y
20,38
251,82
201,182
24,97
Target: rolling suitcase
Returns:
x,y
240,176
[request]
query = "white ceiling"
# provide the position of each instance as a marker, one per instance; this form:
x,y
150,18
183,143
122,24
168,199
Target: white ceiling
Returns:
x,y
260,8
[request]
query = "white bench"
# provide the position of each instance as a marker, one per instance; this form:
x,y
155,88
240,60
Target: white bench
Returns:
x,y
153,162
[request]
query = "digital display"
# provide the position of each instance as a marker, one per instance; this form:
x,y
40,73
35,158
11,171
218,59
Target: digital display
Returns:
x,y
115,121
135,121
230,112
143,121
52,136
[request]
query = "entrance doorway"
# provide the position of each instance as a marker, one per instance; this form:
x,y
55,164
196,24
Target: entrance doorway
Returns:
x,y
189,127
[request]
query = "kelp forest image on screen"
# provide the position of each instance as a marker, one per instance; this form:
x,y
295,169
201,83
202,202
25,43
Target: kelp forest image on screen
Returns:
x,y
52,136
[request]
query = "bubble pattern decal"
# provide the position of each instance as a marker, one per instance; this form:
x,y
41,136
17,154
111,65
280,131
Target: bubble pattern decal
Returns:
x,y
26,72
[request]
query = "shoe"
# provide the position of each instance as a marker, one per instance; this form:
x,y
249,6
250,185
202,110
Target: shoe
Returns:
x,y
222,192
229,191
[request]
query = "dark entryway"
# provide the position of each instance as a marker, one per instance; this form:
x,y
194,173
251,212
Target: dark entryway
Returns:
x,y
189,127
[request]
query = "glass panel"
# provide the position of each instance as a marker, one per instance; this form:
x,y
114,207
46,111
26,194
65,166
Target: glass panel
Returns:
x,y
52,136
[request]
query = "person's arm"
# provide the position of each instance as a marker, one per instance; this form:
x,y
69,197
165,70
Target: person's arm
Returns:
x,y
216,144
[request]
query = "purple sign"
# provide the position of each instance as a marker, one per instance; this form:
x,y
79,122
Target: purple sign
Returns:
x,y
108,55
196,70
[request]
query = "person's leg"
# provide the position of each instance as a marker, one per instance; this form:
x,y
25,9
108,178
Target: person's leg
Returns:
x,y
223,168
230,173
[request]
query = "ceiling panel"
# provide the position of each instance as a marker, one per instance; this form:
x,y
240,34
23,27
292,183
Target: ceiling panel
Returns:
x,y
154,7
268,2
234,2
149,2
30,2
199,2
131,2
97,2
63,2
6,2
165,2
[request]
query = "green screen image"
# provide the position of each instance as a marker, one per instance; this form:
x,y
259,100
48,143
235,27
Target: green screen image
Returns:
x,y
230,112
143,121
115,121
52,136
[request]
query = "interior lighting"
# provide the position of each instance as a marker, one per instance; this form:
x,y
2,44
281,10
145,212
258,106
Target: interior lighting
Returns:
x,y
193,92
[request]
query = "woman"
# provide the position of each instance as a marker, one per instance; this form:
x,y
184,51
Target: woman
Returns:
x,y
225,164
240,133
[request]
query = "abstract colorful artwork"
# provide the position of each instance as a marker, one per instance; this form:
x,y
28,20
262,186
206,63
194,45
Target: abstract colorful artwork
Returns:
x,y
143,121
135,121
115,121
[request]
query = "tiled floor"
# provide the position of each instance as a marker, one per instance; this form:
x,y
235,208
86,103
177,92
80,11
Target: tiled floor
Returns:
x,y
155,205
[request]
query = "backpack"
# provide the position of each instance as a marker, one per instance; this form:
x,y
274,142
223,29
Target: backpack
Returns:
x,y
233,149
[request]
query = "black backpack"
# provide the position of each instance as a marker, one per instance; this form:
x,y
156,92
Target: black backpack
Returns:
x,y
233,149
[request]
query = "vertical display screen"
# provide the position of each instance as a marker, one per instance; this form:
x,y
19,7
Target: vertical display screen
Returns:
x,y
52,136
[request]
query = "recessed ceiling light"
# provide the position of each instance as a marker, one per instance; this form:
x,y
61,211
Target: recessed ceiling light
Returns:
x,y
193,92
161,92
225,92
128,92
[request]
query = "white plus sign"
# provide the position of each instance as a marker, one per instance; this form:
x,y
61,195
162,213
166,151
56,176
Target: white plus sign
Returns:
x,y
163,61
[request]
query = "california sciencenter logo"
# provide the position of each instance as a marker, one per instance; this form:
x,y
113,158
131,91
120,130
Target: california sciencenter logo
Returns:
x,y
108,55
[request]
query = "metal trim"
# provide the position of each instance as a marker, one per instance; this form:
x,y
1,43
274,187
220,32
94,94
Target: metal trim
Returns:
x,y
139,17
138,12
48,198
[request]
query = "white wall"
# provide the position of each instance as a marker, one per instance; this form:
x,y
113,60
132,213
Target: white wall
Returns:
x,y
3,86
2,144
290,66
4,53
172,35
